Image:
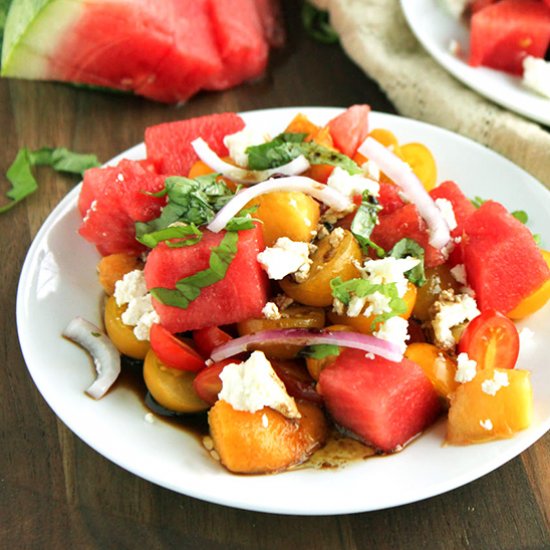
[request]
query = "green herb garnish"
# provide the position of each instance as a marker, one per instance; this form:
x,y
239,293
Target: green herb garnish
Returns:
x,y
409,247
316,24
187,235
364,222
320,351
189,288
23,182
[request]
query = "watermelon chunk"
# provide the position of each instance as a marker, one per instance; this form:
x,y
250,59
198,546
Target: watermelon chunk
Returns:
x,y
350,129
112,199
169,144
384,403
406,222
503,34
462,206
503,263
389,198
240,295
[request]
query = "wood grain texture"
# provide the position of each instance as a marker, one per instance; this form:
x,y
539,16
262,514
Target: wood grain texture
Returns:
x,y
56,492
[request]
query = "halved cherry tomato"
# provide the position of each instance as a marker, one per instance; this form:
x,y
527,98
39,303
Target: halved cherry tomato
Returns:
x,y
421,160
207,383
207,339
297,380
173,352
492,340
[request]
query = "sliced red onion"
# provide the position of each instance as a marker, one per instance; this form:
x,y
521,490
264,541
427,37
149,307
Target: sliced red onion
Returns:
x,y
241,175
305,337
332,198
106,357
400,172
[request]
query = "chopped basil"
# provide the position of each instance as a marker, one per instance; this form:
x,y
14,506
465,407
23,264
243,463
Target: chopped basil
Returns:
x,y
316,24
187,235
23,182
409,247
189,288
287,146
521,216
537,238
477,201
364,221
243,220
320,351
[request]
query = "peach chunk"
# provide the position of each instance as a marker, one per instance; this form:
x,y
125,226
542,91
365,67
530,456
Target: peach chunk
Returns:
x,y
478,413
265,441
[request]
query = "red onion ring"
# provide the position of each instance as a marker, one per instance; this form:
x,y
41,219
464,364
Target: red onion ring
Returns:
x,y
306,337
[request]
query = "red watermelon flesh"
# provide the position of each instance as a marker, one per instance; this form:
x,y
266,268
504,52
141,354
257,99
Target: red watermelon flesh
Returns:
x,y
169,144
112,199
462,206
503,263
350,129
389,198
241,44
503,34
271,18
241,295
385,403
406,222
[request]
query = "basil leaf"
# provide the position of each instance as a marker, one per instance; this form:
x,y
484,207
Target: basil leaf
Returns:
x,y
477,201
23,182
189,288
364,222
243,220
316,24
188,235
409,247
320,351
521,216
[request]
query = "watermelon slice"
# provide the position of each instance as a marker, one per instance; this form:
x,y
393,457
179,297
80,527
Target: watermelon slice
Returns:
x,y
169,144
165,50
503,34
384,403
389,198
462,206
350,129
503,263
240,295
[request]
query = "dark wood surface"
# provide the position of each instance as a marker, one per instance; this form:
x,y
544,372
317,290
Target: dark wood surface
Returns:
x,y
56,492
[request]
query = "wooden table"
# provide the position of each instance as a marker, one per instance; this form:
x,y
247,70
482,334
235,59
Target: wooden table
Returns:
x,y
56,492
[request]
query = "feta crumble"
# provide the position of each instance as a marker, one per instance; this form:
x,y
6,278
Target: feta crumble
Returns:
x,y
486,424
351,185
286,257
238,143
253,385
395,330
536,75
271,311
389,270
445,206
459,274
492,385
466,368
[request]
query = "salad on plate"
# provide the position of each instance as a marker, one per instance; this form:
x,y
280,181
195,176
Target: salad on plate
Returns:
x,y
312,285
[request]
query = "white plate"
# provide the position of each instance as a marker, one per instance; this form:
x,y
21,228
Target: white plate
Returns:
x,y
59,282
435,29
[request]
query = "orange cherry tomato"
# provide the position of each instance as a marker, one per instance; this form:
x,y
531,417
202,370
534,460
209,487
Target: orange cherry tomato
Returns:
x,y
422,162
492,340
207,339
173,352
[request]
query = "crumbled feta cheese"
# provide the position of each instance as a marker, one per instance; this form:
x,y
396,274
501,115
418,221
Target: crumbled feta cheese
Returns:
x,y
356,305
486,424
466,368
253,385
389,270
351,185
445,206
395,330
536,75
451,310
378,304
336,237
459,274
492,385
284,258
271,311
370,355
338,307
238,143
131,286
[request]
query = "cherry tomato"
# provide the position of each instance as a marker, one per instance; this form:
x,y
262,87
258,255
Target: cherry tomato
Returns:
x,y
207,383
492,340
207,339
173,352
297,380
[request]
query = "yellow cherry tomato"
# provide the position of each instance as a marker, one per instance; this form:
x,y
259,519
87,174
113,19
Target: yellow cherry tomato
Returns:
x,y
385,137
113,267
422,162
328,262
122,335
534,301
171,388
286,214
364,324
437,279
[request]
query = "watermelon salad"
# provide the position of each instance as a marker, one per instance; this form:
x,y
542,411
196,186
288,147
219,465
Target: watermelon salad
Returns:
x,y
320,281
166,50
508,35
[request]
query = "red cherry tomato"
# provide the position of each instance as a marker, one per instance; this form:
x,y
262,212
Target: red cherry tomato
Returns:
x,y
173,352
297,380
207,383
207,339
492,340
